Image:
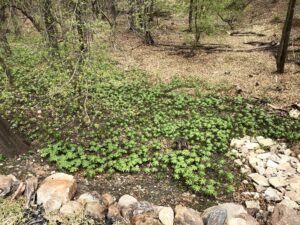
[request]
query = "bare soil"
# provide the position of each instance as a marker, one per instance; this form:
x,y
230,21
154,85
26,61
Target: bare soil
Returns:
x,y
253,72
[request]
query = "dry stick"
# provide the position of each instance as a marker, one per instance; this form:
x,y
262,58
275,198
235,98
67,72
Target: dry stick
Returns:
x,y
238,33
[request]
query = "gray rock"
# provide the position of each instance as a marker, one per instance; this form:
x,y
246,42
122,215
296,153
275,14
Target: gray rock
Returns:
x,y
252,205
232,210
126,201
259,179
216,217
272,164
273,195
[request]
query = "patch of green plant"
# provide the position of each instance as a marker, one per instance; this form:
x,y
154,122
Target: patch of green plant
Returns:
x,y
112,121
2,158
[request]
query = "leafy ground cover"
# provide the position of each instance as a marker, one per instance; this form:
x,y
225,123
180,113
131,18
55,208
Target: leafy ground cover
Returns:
x,y
97,119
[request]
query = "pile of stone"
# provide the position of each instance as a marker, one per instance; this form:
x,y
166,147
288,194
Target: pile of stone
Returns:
x,y
273,169
57,195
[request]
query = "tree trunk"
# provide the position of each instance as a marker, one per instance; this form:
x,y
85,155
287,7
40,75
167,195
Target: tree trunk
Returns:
x,y
283,48
3,31
191,15
10,144
51,31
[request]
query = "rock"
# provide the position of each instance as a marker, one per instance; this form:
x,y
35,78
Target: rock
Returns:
x,y
278,182
95,210
272,164
265,142
146,219
232,210
52,205
20,190
264,156
273,195
59,185
294,113
238,143
251,146
259,179
216,217
259,188
6,184
252,205
87,198
289,203
166,216
270,172
294,196
242,219
30,190
187,216
113,214
108,199
271,208
126,201
71,208
284,215
141,207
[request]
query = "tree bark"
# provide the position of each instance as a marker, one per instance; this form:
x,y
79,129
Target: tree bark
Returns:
x,y
51,31
10,144
283,48
191,15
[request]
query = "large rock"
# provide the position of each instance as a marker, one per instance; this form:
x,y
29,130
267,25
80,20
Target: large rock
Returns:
x,y
149,218
126,201
187,216
108,199
72,208
232,210
259,179
59,186
290,204
52,205
6,184
216,217
95,210
272,194
242,219
166,216
113,214
284,215
278,182
88,197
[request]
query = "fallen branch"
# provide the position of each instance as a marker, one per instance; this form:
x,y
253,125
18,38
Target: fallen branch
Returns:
x,y
238,33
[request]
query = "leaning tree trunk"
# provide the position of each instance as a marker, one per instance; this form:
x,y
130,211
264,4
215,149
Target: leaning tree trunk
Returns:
x,y
10,144
283,48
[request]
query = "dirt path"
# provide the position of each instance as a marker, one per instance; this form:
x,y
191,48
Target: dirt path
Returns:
x,y
252,72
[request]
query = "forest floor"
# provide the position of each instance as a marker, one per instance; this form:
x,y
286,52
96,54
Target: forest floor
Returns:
x,y
252,72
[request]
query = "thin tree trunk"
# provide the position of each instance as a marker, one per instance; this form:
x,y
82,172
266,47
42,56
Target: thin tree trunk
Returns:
x,y
3,31
283,48
191,15
10,144
51,31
